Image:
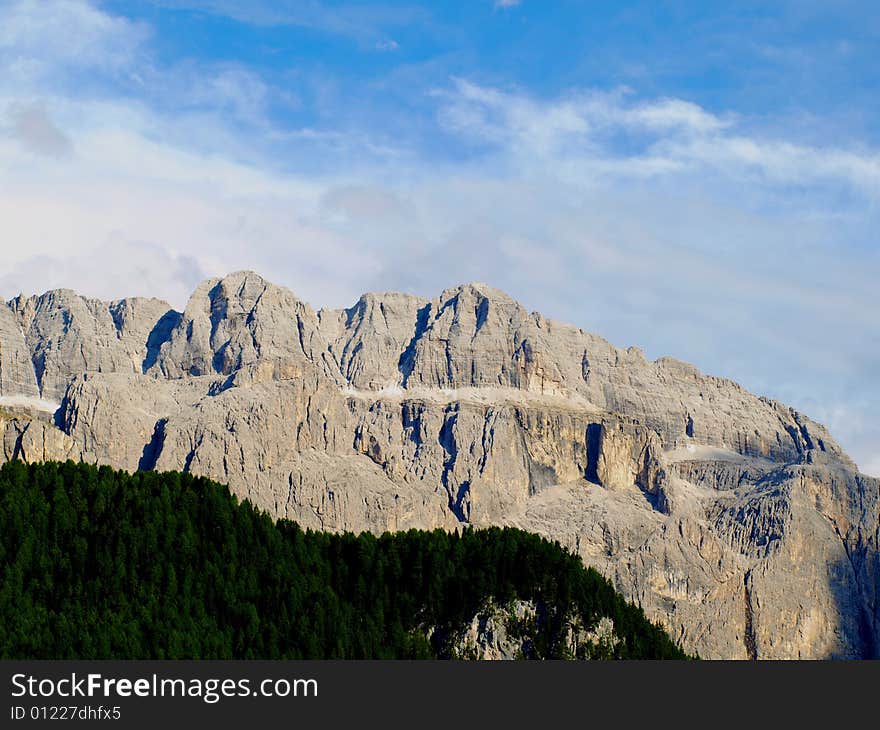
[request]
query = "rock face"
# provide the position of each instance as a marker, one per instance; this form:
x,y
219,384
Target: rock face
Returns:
x,y
67,334
734,520
506,633
17,376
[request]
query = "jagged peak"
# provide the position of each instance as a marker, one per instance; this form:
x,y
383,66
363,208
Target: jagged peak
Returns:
x,y
63,295
245,276
677,367
229,283
54,297
376,298
478,289
244,289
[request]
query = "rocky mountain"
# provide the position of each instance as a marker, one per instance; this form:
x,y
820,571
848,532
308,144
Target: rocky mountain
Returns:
x,y
735,520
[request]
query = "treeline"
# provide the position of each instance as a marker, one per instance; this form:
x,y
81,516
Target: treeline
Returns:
x,y
101,564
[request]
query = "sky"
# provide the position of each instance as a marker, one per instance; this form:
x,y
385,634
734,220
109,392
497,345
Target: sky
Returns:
x,y
699,179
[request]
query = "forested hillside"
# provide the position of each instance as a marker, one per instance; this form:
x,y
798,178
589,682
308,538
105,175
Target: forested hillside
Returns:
x,y
96,563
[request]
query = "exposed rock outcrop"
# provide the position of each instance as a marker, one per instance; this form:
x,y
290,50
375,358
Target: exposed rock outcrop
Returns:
x,y
17,376
736,521
30,435
508,632
67,334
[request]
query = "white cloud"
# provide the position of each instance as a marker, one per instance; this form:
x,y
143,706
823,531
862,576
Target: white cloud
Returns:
x,y
35,36
237,91
780,162
665,136
671,114
507,3
149,204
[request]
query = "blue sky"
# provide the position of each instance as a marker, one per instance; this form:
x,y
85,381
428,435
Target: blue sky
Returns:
x,y
700,179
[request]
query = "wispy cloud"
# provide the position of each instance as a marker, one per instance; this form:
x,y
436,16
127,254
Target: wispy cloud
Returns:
x,y
42,37
360,21
611,133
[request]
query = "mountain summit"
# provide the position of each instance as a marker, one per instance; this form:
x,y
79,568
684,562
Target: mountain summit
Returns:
x,y
733,519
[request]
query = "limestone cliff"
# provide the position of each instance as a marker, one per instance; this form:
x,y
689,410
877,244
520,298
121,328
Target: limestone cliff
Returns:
x,y
735,520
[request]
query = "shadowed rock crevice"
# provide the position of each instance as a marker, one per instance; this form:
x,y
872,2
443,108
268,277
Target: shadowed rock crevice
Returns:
x,y
861,562
39,364
460,505
749,640
407,360
481,314
218,314
152,450
159,335
446,439
18,449
594,443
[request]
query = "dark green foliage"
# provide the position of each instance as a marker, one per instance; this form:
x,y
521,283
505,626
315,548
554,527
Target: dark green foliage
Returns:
x,y
102,564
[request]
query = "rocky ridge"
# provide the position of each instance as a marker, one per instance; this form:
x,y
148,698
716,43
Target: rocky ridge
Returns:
x,y
733,519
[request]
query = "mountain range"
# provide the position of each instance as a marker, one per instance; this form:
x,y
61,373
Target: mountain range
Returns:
x,y
734,520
